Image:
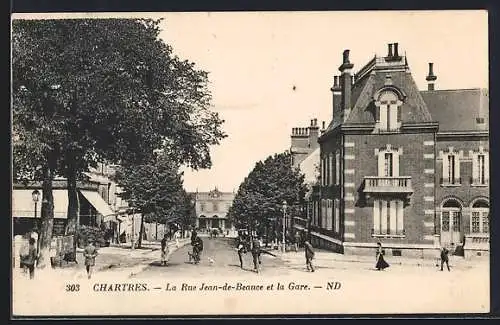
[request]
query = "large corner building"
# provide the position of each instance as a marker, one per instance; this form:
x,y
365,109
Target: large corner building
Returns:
x,y
405,167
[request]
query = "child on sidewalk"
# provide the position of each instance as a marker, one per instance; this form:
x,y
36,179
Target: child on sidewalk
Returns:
x,y
309,251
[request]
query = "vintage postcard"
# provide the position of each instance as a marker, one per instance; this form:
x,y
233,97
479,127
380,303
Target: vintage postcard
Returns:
x,y
250,163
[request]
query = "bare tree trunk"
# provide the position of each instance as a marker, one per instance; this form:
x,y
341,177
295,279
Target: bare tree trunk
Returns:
x,y
47,217
141,232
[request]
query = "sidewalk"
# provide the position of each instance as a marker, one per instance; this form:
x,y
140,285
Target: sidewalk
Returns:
x,y
325,259
117,261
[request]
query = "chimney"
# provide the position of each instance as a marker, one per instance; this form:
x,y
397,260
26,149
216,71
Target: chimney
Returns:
x,y
313,134
431,78
336,95
346,81
396,54
389,52
323,125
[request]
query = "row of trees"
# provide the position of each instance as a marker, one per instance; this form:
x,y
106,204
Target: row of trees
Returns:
x,y
156,189
103,90
258,204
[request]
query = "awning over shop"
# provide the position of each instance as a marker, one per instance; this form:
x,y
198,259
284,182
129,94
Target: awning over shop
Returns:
x,y
99,204
24,207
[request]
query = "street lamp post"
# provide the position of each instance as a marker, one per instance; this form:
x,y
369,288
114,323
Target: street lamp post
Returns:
x,y
284,219
35,195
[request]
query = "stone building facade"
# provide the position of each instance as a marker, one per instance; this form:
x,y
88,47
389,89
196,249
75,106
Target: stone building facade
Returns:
x,y
211,209
400,166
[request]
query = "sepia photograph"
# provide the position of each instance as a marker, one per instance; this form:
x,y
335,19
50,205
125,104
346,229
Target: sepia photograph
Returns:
x,y
250,163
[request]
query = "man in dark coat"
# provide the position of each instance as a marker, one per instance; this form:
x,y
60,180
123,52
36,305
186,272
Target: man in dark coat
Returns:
x,y
309,251
31,258
241,248
444,258
256,254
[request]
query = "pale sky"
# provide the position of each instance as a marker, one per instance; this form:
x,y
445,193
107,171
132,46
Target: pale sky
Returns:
x,y
255,58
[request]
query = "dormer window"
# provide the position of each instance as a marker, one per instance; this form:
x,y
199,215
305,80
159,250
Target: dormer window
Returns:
x,y
388,102
389,112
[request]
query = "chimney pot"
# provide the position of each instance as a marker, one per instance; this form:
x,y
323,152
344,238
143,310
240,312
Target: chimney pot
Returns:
x,y
389,52
396,54
346,57
431,78
431,69
312,122
315,122
323,123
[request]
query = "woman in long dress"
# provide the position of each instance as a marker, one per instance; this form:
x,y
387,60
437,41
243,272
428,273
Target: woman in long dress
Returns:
x,y
381,263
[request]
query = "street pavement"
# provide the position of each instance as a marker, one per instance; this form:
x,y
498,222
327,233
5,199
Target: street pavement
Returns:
x,y
407,286
222,251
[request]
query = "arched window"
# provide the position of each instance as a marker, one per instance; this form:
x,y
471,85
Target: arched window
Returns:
x,y
480,217
388,111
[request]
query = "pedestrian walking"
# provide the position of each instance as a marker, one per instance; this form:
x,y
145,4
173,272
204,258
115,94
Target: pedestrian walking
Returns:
x,y
381,263
177,235
309,252
164,250
444,258
31,258
256,254
297,241
90,253
241,250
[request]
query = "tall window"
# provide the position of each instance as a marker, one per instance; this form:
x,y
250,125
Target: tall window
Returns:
x,y
202,206
215,206
451,169
388,217
388,162
480,168
481,174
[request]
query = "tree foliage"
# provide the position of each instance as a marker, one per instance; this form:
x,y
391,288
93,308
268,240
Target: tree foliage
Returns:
x,y
103,90
260,197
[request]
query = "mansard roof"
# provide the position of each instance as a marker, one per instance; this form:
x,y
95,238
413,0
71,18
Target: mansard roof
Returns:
x,y
414,108
459,109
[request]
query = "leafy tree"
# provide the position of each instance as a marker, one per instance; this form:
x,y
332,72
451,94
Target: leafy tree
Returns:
x,y
90,90
260,197
153,188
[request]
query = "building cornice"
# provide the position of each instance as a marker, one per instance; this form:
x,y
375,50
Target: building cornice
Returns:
x,y
422,127
473,135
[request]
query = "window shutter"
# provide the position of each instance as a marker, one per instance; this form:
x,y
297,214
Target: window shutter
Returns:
x,y
475,168
457,169
400,216
381,161
337,168
383,217
377,113
376,217
393,209
330,169
337,216
445,169
486,167
395,164
399,113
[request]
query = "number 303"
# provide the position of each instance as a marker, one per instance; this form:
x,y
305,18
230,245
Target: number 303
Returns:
x,y
72,287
